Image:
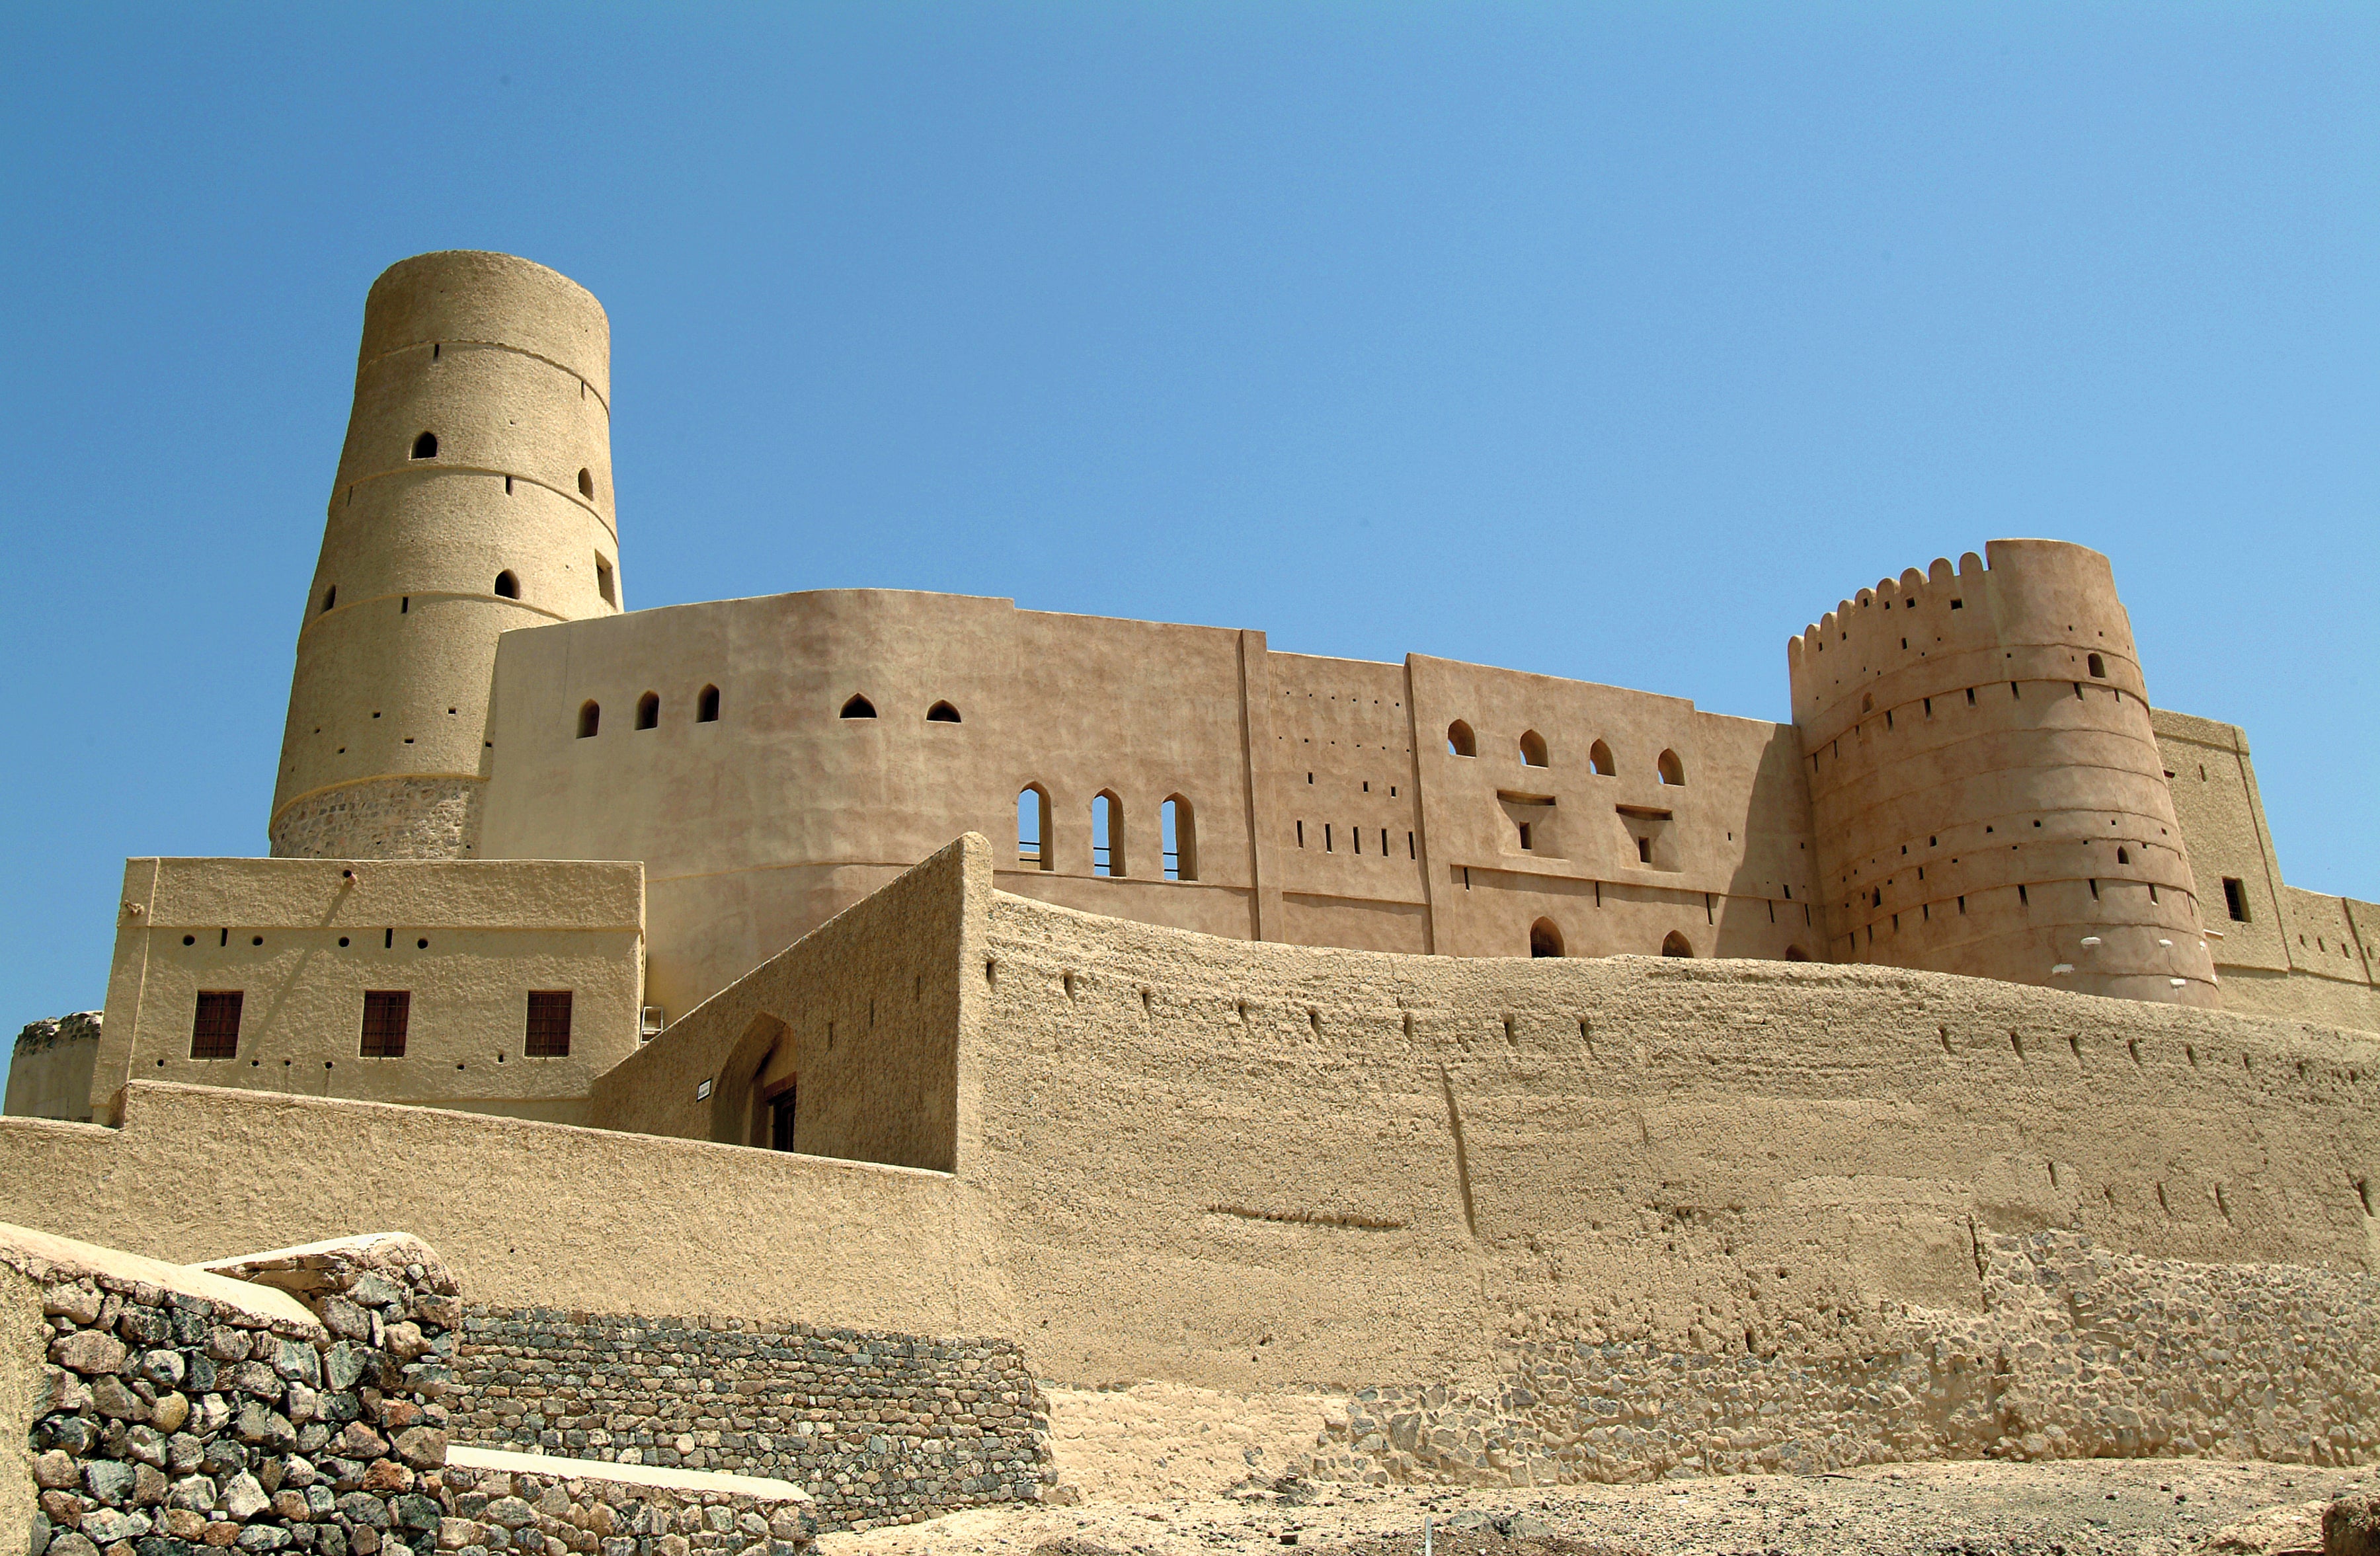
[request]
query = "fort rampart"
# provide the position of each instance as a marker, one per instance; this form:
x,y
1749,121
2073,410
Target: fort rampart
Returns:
x,y
1785,1189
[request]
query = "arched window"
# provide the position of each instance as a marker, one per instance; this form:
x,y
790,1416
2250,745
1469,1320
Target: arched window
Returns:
x,y
1795,953
1598,757
586,485
1545,939
331,597
2123,856
941,713
1106,834
2098,667
1672,770
706,706
1676,945
591,718
648,709
1533,748
859,707
507,586
1033,849
425,446
1178,835
1459,741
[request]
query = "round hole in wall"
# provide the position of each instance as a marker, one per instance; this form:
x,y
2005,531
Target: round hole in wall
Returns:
x,y
189,940
421,946
256,939
343,939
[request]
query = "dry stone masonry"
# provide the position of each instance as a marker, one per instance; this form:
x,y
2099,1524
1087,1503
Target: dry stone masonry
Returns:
x,y
877,1427
492,1512
2078,1353
172,1423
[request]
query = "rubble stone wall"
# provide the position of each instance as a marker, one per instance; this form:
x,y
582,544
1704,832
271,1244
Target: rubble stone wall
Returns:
x,y
877,1427
492,1512
168,1421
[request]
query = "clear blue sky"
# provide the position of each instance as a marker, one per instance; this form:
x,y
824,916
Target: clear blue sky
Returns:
x,y
1613,342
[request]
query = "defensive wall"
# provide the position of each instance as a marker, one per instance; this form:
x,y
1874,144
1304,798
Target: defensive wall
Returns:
x,y
1319,801
1987,793
50,1067
494,986
1764,1196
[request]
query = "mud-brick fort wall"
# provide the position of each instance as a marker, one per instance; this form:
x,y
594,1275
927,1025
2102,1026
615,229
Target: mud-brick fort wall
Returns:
x,y
1986,793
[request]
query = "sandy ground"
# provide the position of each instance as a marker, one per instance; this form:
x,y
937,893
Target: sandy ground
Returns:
x,y
2128,1507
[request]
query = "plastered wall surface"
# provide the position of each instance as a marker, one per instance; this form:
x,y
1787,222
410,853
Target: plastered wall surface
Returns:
x,y
48,1070
24,1389
854,1029
512,1205
2279,951
1989,796
430,549
1319,815
302,940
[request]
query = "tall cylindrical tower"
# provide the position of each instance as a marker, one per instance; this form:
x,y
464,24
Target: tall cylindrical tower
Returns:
x,y
1986,795
474,495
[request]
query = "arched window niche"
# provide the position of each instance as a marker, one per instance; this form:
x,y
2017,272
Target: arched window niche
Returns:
x,y
1598,757
648,709
1677,945
507,586
941,713
1106,834
706,706
425,446
858,708
1459,741
1533,748
590,719
1672,771
1544,938
1033,850
1179,828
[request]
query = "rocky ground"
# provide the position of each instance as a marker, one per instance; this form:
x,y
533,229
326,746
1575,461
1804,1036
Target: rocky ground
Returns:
x,y
2108,1507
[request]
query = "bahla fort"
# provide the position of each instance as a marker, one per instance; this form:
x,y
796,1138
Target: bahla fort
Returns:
x,y
1113,1030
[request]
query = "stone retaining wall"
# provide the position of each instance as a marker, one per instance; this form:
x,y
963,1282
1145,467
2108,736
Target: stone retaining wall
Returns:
x,y
2078,1353
877,1427
168,1421
490,1513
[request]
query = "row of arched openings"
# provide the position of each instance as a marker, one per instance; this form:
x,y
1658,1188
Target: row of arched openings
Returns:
x,y
940,713
425,446
648,712
1461,741
1177,835
1545,940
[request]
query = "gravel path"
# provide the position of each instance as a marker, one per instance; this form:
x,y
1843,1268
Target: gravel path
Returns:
x,y
2108,1507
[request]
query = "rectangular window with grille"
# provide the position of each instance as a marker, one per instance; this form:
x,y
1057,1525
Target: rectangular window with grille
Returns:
x,y
385,1015
549,1024
214,1033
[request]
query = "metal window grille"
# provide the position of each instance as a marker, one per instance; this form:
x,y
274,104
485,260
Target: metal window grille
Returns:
x,y
549,1024
386,1013
214,1032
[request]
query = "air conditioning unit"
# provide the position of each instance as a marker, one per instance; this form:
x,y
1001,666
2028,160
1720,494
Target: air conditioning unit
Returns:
x,y
650,1025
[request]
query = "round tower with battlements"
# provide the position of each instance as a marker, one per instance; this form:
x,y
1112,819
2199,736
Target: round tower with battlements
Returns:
x,y
474,495
1986,793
